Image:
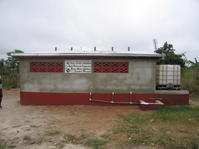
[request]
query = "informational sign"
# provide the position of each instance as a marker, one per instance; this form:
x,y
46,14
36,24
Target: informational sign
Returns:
x,y
78,66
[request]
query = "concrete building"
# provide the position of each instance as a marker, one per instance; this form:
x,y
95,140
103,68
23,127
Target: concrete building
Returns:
x,y
75,78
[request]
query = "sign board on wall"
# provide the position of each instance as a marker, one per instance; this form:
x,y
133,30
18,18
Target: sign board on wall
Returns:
x,y
78,66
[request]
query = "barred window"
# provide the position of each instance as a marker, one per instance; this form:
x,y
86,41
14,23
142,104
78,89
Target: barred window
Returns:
x,y
46,67
111,67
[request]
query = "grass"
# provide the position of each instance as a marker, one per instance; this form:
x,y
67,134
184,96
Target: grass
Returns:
x,y
53,133
194,98
190,80
170,127
183,114
89,141
105,136
95,143
59,145
11,80
3,147
71,139
30,140
27,138
7,147
168,114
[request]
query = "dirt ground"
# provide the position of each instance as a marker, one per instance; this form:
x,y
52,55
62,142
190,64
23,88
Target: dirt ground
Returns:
x,y
17,122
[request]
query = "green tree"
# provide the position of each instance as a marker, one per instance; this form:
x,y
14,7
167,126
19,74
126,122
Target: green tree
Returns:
x,y
9,69
11,62
170,56
194,64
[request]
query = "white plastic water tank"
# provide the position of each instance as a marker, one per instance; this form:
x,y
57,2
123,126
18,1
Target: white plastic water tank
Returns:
x,y
168,76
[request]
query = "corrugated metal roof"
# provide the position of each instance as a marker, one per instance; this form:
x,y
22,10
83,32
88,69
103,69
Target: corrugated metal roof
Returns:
x,y
26,55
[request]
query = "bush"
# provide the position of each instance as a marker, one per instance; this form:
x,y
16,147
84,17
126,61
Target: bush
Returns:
x,y
190,80
10,80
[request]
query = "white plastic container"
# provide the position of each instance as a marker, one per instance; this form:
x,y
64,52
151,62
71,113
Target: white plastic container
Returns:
x,y
168,76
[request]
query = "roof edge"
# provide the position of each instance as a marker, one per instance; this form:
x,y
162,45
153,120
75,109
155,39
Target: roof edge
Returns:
x,y
48,55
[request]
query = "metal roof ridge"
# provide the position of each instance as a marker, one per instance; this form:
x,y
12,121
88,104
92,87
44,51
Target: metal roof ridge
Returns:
x,y
25,54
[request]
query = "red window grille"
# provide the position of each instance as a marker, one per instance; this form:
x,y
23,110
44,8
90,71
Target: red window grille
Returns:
x,y
46,67
111,67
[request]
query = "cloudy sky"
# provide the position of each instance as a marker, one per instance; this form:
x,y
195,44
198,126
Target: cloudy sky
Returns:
x,y
40,25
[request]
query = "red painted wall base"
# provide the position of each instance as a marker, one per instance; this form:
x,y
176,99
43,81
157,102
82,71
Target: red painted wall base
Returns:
x,y
40,98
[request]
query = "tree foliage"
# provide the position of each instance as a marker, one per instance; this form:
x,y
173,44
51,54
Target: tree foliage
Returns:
x,y
9,69
170,56
11,62
193,64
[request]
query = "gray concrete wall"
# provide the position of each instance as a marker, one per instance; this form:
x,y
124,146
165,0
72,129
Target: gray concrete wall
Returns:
x,y
140,78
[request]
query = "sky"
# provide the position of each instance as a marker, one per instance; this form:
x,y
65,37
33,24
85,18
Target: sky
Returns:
x,y
41,25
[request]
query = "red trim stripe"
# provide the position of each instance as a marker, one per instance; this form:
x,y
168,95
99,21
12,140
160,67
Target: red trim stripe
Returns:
x,y
40,98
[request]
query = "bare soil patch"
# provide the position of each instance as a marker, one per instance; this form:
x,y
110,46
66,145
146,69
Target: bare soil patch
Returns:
x,y
33,126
